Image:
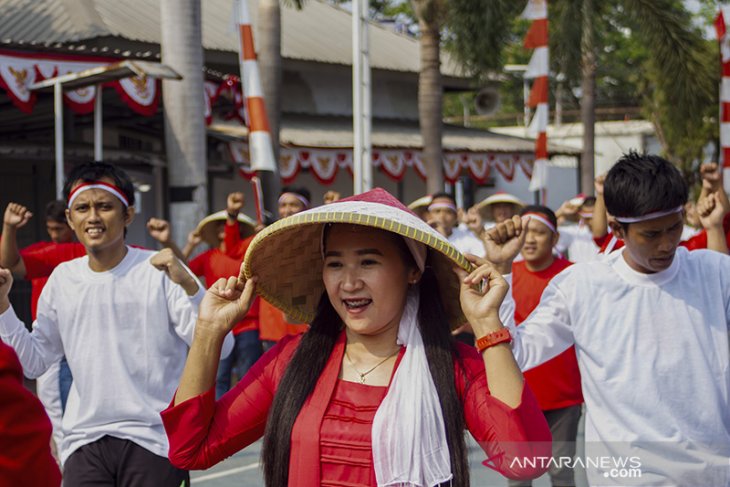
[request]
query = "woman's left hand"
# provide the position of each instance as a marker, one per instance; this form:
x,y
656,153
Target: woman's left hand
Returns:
x,y
482,293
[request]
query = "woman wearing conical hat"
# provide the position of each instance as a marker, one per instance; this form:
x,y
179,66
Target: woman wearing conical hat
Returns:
x,y
376,392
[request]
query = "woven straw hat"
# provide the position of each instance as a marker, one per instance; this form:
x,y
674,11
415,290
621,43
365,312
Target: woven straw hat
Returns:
x,y
287,258
207,231
421,202
485,206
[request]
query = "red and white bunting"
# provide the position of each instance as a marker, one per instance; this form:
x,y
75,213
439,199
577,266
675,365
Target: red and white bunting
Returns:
x,y
538,70
324,164
19,70
723,37
259,135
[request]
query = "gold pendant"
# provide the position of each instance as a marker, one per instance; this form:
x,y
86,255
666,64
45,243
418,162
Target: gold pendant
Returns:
x,y
362,378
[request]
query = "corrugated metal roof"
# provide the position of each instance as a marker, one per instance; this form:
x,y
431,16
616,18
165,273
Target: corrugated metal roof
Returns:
x,y
318,32
336,132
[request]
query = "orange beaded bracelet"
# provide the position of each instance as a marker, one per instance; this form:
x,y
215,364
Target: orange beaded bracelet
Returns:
x,y
494,338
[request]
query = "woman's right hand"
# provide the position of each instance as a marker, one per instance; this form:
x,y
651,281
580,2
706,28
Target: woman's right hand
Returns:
x,y
225,303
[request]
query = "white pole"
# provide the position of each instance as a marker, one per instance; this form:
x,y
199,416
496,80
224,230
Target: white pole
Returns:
x,y
459,193
98,115
357,108
366,91
526,97
58,115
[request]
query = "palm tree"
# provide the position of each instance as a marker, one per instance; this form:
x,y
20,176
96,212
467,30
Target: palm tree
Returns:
x,y
268,43
682,80
465,26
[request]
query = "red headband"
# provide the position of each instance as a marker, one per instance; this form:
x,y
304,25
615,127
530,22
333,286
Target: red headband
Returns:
x,y
98,185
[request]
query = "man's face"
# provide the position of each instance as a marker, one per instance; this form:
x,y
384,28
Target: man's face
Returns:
x,y
587,210
444,217
503,211
59,232
651,245
98,218
289,205
539,243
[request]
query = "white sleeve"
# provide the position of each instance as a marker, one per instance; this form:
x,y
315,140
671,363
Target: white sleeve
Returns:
x,y
183,311
49,393
39,349
507,309
567,235
545,333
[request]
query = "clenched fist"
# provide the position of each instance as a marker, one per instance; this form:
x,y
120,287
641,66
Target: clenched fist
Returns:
x,y
16,215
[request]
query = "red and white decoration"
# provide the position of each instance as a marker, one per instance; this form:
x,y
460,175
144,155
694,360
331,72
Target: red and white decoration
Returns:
x,y
18,71
538,70
721,25
259,134
324,164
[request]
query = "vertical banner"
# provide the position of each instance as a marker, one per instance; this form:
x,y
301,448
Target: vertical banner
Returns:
x,y
538,70
259,136
724,39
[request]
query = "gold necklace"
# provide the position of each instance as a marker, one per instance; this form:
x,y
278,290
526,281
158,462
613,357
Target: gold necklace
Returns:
x,y
363,374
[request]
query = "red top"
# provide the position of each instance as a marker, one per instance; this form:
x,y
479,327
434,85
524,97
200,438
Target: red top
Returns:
x,y
25,452
214,264
331,442
40,259
556,383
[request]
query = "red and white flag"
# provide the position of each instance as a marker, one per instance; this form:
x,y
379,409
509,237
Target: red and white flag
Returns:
x,y
538,70
723,37
259,134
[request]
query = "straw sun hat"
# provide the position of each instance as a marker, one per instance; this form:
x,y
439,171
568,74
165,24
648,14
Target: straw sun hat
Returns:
x,y
287,257
206,227
485,206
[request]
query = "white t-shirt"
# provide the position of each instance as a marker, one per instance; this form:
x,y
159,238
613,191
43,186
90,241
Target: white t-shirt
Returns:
x,y
125,333
466,242
653,356
577,242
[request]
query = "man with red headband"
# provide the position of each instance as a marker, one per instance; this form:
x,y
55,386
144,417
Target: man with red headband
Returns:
x,y
649,323
556,383
124,327
443,217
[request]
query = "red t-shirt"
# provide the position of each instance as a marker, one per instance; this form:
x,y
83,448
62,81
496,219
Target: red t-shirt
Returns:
x,y
556,383
40,259
25,453
214,264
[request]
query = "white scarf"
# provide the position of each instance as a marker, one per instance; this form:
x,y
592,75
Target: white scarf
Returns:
x,y
408,434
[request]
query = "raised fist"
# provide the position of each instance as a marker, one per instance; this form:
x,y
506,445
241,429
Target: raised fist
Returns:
x,y
159,229
16,215
234,203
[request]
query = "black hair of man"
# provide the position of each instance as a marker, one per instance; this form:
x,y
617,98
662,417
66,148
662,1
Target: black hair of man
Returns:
x,y
301,191
56,211
589,201
542,210
639,184
444,195
90,172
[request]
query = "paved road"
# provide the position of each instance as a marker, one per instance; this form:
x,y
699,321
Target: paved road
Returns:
x,y
243,470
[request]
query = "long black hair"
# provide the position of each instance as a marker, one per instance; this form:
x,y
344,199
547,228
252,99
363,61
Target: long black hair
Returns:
x,y
311,357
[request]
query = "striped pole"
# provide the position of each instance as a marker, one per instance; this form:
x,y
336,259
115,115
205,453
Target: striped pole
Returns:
x,y
538,70
724,40
259,134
